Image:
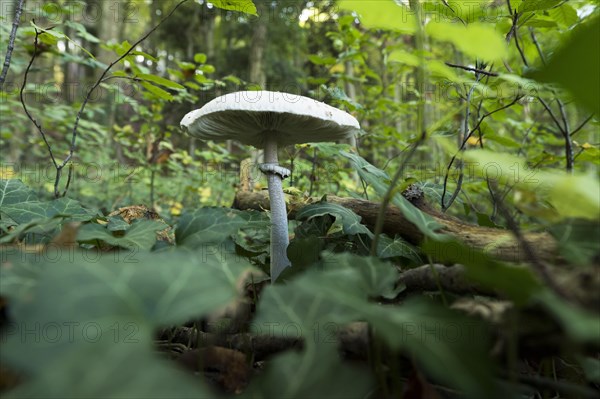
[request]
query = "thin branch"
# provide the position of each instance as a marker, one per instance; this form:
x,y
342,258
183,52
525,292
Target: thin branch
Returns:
x,y
21,95
100,80
466,138
90,92
11,41
540,267
547,107
578,128
476,70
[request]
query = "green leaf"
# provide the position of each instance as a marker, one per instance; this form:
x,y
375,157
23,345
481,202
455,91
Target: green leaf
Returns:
x,y
66,208
318,60
243,6
577,240
160,81
125,346
158,92
382,14
350,220
140,235
436,338
379,180
117,223
575,65
317,372
516,282
396,248
207,226
534,5
160,288
564,15
581,325
477,40
199,58
13,191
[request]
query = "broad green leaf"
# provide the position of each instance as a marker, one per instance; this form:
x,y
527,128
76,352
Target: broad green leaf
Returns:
x,y
125,346
575,65
439,340
516,282
564,15
380,182
160,81
43,229
317,372
13,191
157,91
159,288
243,6
141,235
534,5
581,325
577,240
572,195
396,248
207,226
477,40
117,223
382,14
64,207
350,220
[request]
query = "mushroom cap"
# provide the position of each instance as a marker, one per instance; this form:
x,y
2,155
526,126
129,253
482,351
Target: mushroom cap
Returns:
x,y
251,116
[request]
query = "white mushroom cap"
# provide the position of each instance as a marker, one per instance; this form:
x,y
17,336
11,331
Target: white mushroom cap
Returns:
x,y
249,116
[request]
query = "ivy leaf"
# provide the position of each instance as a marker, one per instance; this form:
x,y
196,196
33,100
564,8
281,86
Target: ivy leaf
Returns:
x,y
13,191
160,288
140,235
243,6
127,350
350,220
207,226
316,372
66,208
378,179
396,248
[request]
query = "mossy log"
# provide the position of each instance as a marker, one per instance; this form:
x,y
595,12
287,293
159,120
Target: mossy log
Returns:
x,y
499,243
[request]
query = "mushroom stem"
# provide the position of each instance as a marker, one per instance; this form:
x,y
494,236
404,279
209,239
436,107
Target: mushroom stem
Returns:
x,y
279,222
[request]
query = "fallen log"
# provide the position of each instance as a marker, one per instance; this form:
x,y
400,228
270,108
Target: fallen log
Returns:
x,y
499,243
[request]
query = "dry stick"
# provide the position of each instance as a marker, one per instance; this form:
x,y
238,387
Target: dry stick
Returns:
x,y
83,105
11,41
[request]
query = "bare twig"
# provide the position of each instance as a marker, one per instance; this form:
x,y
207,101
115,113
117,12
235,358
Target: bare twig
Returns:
x,y
74,133
540,267
476,70
11,41
466,138
582,124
